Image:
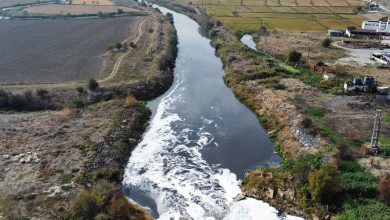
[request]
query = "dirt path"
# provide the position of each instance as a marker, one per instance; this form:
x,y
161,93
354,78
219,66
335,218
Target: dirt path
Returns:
x,y
119,61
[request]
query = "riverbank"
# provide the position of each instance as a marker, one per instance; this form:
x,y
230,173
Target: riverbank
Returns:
x,y
69,163
307,126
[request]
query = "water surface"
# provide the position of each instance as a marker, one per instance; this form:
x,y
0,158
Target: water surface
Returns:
x,y
200,141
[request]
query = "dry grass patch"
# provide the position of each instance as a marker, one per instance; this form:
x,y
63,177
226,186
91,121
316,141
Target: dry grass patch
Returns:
x,y
281,42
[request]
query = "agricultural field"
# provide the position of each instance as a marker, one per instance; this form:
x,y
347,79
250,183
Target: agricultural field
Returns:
x,y
75,9
92,2
42,51
7,3
309,15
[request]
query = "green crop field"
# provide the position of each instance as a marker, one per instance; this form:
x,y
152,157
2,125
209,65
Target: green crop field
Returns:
x,y
299,15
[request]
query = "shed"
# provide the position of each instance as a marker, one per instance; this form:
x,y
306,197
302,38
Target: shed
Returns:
x,y
335,33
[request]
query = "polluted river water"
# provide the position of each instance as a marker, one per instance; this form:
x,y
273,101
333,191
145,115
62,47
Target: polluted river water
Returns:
x,y
200,142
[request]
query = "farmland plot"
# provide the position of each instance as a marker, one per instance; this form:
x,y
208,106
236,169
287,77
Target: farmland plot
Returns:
x,y
43,51
8,3
286,14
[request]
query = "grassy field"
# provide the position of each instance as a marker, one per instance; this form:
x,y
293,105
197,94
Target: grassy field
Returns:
x,y
310,15
41,51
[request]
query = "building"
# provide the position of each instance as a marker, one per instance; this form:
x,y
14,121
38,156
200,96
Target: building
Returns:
x,y
356,32
370,29
335,33
378,26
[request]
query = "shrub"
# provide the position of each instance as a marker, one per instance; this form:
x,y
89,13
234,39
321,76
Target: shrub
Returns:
x,y
118,45
80,89
84,206
326,42
110,46
92,84
315,111
76,103
384,189
363,209
323,185
306,122
358,183
41,93
130,101
294,56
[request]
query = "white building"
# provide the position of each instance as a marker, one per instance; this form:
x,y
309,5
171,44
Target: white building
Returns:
x,y
378,26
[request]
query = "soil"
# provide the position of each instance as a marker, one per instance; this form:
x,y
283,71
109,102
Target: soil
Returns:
x,y
75,9
47,157
57,50
56,138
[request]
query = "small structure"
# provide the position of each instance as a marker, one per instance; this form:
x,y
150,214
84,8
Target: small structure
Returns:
x,y
328,76
335,33
319,66
359,85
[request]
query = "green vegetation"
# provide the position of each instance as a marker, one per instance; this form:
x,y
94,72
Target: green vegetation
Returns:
x,y
168,61
294,56
384,143
363,209
41,93
386,118
326,42
92,84
75,103
315,111
104,201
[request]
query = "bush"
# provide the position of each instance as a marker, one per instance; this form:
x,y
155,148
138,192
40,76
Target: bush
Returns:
x,y
130,101
76,103
92,84
41,93
118,45
110,46
315,111
363,209
323,185
326,42
294,56
384,189
80,89
358,183
306,122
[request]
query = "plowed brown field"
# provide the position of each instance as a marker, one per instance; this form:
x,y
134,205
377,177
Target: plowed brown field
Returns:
x,y
43,51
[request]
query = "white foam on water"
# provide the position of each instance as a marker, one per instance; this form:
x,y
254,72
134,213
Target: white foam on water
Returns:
x,y
167,166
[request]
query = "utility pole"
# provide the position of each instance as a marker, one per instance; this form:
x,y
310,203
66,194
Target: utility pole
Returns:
x,y
375,132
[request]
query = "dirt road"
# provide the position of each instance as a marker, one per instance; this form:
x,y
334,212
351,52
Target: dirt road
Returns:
x,y
119,61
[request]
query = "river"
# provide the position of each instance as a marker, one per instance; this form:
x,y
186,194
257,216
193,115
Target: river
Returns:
x,y
199,143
